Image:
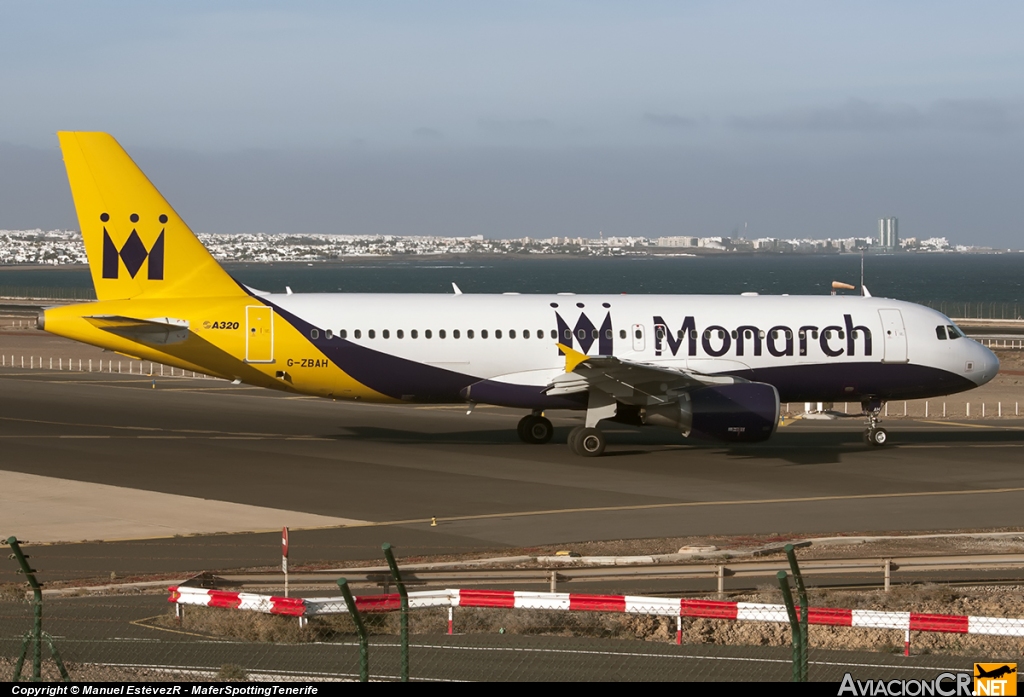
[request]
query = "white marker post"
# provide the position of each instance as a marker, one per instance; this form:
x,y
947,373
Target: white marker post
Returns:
x,y
284,558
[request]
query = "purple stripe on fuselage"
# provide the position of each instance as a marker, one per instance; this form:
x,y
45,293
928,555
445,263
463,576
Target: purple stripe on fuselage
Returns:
x,y
505,394
837,382
390,375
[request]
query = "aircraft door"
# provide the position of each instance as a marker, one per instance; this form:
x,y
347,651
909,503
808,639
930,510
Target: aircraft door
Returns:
x,y
894,335
638,337
259,334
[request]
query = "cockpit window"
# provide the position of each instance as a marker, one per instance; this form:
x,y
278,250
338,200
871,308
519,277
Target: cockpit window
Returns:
x,y
940,332
954,331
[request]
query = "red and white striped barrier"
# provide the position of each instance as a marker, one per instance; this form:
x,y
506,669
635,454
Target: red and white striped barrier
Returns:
x,y
583,602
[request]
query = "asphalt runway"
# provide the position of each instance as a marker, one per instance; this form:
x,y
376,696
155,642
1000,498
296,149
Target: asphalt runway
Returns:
x,y
388,470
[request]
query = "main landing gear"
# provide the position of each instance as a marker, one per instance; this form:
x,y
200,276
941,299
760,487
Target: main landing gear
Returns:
x,y
587,442
874,434
535,429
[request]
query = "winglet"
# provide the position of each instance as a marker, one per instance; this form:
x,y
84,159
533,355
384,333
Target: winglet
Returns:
x,y
572,357
458,291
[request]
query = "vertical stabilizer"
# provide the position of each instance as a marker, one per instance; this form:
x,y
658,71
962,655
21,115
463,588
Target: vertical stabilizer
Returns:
x,y
136,244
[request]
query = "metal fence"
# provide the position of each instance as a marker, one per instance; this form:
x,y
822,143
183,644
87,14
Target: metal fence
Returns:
x,y
496,635
963,309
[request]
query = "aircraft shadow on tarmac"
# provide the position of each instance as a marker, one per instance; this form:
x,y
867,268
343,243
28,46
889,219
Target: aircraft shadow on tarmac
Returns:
x,y
799,447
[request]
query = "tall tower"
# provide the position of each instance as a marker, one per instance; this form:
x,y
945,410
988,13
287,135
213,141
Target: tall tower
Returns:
x,y
888,233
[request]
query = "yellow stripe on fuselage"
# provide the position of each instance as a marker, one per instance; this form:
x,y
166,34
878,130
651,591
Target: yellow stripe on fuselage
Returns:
x,y
216,344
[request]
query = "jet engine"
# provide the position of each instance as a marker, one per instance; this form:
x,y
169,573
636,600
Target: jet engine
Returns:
x,y
745,412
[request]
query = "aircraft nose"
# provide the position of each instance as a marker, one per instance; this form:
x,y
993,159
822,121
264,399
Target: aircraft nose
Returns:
x,y
986,364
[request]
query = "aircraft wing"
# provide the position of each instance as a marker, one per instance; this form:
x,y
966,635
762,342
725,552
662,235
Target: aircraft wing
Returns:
x,y
628,382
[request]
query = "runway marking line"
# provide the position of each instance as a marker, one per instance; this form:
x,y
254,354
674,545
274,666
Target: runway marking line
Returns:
x,y
591,509
687,504
223,434
957,423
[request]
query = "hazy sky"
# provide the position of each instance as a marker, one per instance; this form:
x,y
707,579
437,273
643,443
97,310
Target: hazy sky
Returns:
x,y
530,118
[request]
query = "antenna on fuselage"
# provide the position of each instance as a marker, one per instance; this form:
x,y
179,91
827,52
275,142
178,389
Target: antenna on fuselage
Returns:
x,y
457,290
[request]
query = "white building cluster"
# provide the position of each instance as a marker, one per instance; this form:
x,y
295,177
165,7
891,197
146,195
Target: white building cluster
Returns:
x,y
59,247
53,247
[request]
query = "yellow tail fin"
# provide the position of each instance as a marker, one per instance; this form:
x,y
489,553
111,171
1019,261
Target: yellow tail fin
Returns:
x,y
136,244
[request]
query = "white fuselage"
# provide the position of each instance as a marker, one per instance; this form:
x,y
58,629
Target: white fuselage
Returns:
x,y
810,347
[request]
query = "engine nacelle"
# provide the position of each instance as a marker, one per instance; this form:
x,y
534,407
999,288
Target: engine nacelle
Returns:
x,y
745,412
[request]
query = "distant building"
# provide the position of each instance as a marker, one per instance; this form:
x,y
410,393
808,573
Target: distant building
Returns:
x,y
677,242
888,233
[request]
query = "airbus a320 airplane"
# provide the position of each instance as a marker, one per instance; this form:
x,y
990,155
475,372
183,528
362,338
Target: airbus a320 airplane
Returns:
x,y
712,367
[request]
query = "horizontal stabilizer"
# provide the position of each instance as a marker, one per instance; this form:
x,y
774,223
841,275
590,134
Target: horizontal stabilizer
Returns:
x,y
155,331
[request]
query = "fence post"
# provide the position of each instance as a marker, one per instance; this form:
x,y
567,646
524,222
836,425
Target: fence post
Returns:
x,y
804,605
37,634
794,626
364,649
404,595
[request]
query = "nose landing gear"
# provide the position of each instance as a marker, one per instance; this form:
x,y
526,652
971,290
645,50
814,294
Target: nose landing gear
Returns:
x,y
874,434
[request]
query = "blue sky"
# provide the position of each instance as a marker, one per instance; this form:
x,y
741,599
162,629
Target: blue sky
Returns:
x,y
539,118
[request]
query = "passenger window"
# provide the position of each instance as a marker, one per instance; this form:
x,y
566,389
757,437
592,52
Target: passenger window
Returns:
x,y
659,332
455,333
554,334
372,333
842,334
314,334
497,334
707,333
441,334
386,333
814,333
721,333
343,333
608,334
733,333
622,333
775,334
483,334
415,334
511,334
581,333
469,333
526,334
428,334
359,333
328,334
568,334
400,334
638,334
789,334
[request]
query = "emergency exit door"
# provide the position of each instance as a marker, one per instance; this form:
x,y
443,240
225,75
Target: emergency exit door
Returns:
x,y
259,334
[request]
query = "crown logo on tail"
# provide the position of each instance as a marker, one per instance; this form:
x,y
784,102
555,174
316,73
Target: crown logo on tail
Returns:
x,y
133,253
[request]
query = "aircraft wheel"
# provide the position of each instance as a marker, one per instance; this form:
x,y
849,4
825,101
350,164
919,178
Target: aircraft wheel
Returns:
x,y
524,424
573,437
535,429
590,443
877,436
